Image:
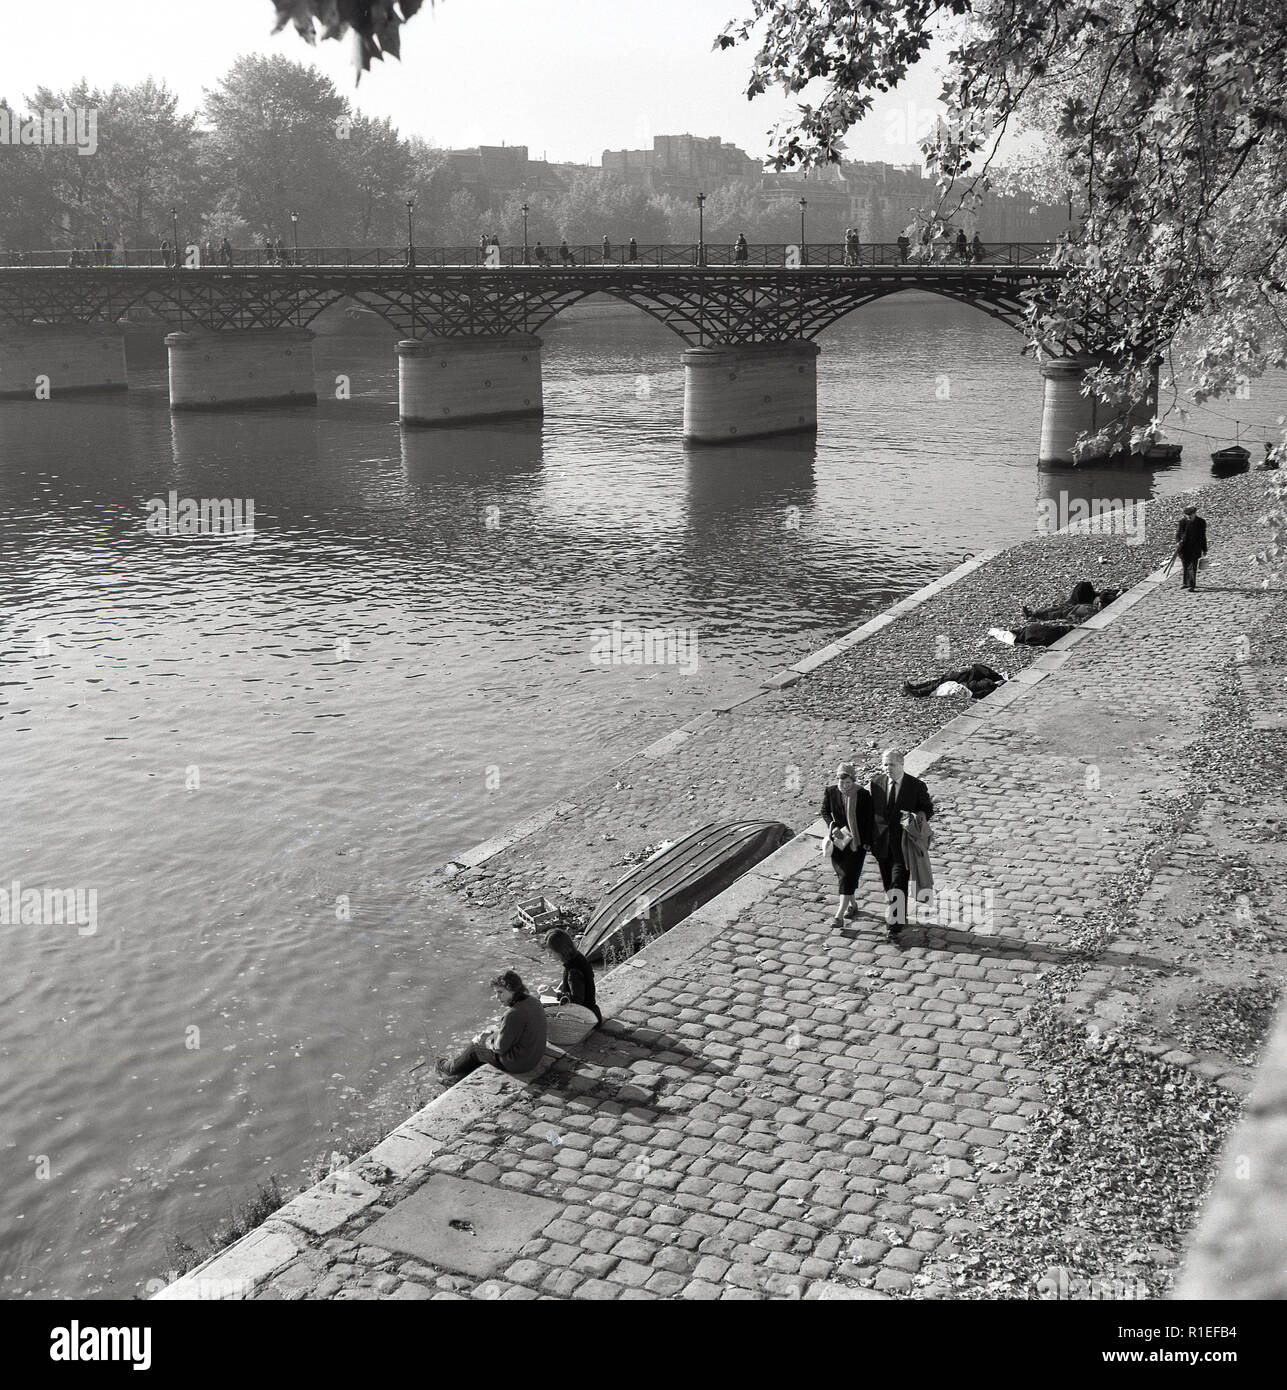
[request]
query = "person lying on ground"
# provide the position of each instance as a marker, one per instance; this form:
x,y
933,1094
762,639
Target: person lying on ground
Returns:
x,y
1083,596
1031,634
516,1045
978,679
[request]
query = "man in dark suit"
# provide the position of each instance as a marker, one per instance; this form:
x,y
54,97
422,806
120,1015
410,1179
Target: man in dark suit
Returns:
x,y
1191,545
892,792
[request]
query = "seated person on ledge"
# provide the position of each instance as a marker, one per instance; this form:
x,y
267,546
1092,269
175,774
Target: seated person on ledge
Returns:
x,y
517,1045
570,1011
978,679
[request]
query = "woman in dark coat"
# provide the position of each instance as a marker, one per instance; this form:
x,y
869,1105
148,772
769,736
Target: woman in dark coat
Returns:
x,y
572,1012
847,810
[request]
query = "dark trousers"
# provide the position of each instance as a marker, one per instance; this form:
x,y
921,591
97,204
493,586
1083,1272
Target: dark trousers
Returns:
x,y
847,864
893,877
1190,563
468,1059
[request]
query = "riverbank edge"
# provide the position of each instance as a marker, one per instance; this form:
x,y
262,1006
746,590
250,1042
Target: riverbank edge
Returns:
x,y
240,1269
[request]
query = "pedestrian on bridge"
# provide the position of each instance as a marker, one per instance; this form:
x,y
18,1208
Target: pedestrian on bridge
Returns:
x,y
741,251
962,247
853,247
225,252
167,253
565,255
904,246
540,255
607,250
977,252
632,251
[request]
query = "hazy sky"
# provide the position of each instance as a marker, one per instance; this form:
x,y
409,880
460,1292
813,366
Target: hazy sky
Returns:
x,y
564,77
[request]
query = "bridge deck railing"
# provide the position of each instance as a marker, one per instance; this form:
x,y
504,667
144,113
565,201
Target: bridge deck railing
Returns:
x,y
814,254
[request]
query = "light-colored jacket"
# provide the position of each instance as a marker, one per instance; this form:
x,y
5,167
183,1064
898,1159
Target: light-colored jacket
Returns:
x,y
917,838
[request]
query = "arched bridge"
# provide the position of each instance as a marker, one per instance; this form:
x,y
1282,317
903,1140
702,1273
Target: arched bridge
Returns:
x,y
469,319
793,296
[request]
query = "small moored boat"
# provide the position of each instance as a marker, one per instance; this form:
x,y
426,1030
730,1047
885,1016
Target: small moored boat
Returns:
x,y
1234,459
665,889
1159,454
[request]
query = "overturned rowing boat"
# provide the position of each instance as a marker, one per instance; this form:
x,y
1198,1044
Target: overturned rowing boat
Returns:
x,y
675,882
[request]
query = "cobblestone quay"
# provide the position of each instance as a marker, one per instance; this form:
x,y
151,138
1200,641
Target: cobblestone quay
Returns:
x,y
775,1108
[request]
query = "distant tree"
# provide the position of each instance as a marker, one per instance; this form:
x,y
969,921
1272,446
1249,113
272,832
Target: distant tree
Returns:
x,y
380,171
30,204
431,182
150,154
459,223
281,140
146,161
732,209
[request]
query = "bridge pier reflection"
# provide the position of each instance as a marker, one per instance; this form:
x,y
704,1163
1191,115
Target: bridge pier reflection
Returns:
x,y
41,360
1066,413
738,391
236,367
457,380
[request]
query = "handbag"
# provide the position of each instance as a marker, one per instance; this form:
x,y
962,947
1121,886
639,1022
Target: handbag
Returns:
x,y
837,837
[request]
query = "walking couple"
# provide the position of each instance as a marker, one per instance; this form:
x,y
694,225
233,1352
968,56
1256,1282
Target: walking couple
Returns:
x,y
891,819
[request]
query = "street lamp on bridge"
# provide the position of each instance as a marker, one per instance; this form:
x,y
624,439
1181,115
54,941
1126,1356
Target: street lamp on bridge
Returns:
x,y
294,226
411,235
104,238
524,211
804,203
701,229
174,224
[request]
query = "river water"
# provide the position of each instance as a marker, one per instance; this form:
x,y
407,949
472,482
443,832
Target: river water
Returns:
x,y
225,739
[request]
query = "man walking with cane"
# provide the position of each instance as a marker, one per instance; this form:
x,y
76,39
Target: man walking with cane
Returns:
x,y
1190,545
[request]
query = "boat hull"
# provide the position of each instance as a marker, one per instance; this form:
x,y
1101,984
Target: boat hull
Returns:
x,y
656,895
1235,459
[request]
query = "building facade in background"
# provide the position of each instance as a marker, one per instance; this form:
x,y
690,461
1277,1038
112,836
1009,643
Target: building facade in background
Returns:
x,y
879,199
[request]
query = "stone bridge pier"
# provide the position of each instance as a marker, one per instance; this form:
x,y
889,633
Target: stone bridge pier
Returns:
x,y
460,380
737,391
236,367
1066,412
39,361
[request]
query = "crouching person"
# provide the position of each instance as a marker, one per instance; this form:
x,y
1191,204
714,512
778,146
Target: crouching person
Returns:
x,y
570,1011
516,1045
